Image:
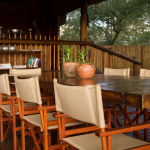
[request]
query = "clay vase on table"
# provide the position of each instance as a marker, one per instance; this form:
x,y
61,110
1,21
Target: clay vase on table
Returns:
x,y
69,68
86,70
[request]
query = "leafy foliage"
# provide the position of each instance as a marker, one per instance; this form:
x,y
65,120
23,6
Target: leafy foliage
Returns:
x,y
82,55
72,27
67,53
113,22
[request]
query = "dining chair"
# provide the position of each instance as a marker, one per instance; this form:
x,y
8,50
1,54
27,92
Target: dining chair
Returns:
x,y
123,72
28,90
84,103
144,73
30,72
36,71
6,109
118,72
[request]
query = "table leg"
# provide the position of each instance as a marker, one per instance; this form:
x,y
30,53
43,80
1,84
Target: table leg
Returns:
x,y
137,121
125,119
145,120
114,117
130,121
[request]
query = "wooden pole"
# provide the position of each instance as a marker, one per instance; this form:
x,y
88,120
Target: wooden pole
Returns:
x,y
134,68
83,32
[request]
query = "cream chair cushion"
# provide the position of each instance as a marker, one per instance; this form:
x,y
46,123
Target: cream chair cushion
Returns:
x,y
92,142
83,103
36,120
17,72
4,84
7,109
28,90
144,73
123,72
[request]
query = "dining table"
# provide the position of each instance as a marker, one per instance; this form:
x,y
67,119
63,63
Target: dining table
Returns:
x,y
119,91
131,91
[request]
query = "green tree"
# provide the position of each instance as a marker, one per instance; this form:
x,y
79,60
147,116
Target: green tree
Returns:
x,y
119,17
72,26
113,22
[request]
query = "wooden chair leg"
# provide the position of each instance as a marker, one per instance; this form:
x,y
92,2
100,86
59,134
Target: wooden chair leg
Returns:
x,y
33,136
109,142
39,142
125,119
45,131
118,122
14,128
41,136
49,138
63,147
58,140
22,135
114,117
1,125
104,143
103,140
8,129
137,121
18,145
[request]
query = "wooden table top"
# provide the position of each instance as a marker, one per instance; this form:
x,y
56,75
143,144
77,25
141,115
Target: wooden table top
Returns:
x,y
131,91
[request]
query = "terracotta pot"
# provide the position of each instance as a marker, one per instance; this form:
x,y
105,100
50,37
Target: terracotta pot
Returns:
x,y
83,82
86,70
69,68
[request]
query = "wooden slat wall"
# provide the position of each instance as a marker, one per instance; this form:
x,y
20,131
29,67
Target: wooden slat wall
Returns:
x,y
141,53
99,58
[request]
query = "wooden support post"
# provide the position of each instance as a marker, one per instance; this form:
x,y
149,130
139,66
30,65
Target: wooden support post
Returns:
x,y
83,32
88,53
134,68
142,56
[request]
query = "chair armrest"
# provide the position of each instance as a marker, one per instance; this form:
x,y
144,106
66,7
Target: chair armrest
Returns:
x,y
51,108
125,129
59,115
46,97
109,108
12,97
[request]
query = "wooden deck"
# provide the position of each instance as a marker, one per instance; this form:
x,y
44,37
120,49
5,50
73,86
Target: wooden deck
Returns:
x,y
8,144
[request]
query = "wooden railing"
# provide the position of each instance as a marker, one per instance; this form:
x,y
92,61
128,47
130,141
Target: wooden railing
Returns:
x,y
100,56
103,57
